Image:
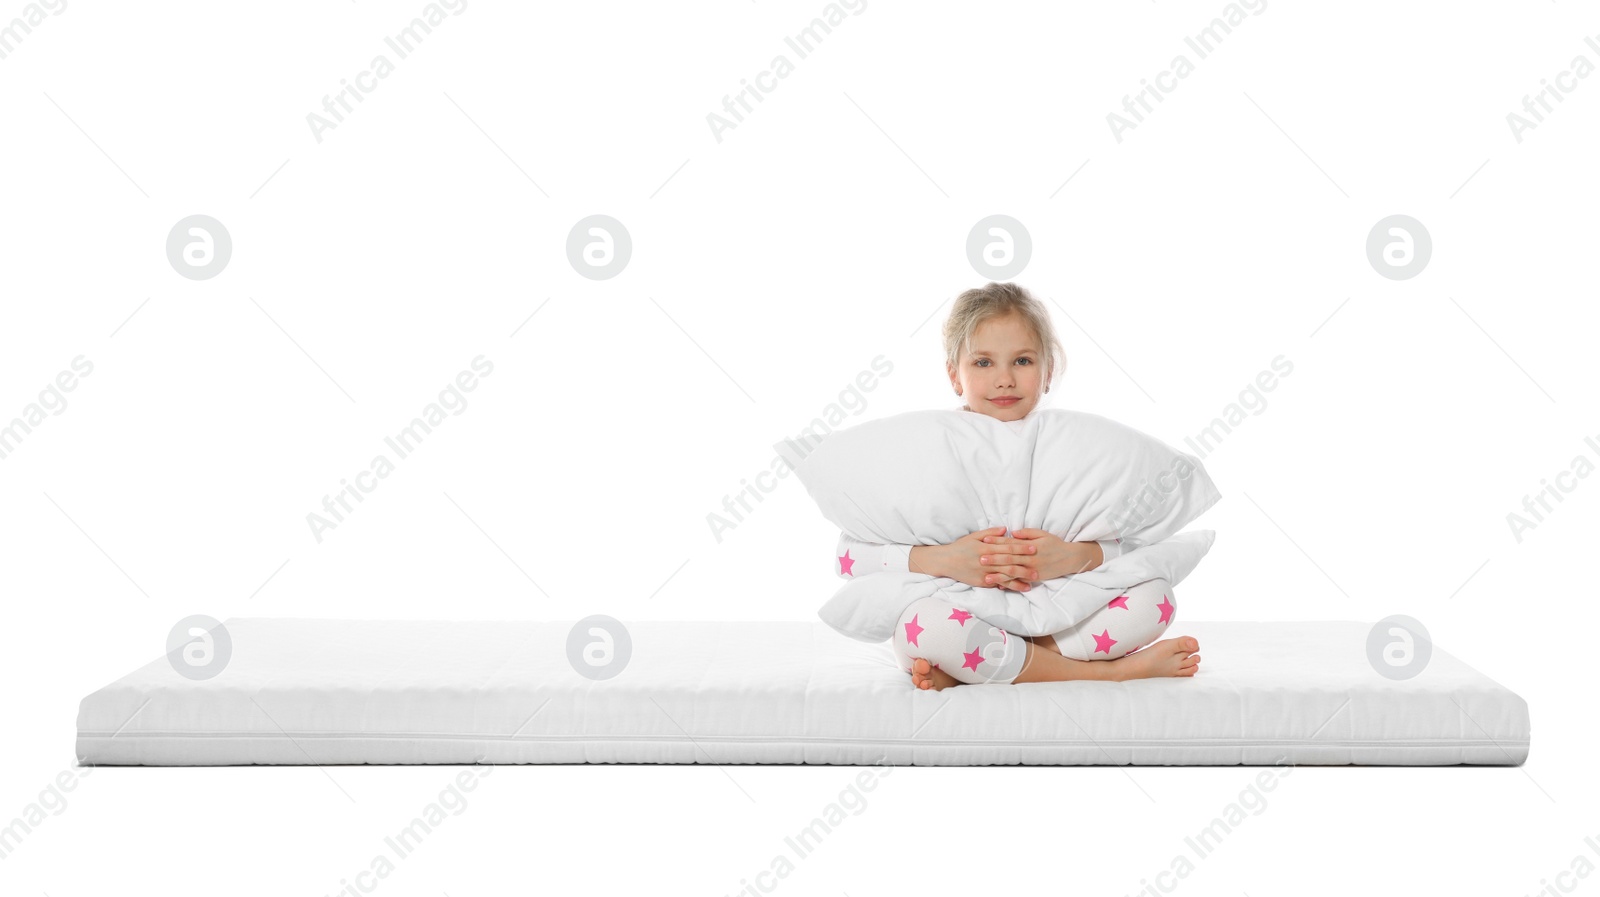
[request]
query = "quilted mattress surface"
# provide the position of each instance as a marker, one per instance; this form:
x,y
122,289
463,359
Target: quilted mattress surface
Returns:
x,y
302,691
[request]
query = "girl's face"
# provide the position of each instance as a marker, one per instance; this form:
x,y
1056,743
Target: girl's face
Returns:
x,y
1004,361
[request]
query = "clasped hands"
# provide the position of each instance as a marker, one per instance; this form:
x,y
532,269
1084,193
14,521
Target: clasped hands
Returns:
x,y
989,559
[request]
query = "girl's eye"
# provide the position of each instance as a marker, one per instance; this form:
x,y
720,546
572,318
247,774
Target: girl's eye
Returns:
x,y
1028,360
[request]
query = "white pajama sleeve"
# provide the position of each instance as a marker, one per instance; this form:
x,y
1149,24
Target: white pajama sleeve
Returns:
x,y
1110,548
1115,548
854,558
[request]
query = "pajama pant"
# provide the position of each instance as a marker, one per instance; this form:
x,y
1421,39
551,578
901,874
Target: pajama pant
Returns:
x,y
974,651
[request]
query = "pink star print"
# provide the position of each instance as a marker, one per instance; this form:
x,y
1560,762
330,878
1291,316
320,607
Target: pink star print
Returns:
x,y
1119,601
1104,641
846,562
912,631
973,658
959,615
1166,609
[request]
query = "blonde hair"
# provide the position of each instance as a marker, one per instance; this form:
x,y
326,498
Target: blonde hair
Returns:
x,y
998,300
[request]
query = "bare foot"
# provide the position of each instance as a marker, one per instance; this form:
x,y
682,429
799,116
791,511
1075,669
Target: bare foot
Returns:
x,y
925,675
1168,657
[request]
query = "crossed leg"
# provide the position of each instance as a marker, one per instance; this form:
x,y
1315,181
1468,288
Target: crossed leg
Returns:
x,y
941,645
1127,623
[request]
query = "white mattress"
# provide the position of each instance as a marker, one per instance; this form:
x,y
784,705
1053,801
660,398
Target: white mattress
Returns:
x,y
349,691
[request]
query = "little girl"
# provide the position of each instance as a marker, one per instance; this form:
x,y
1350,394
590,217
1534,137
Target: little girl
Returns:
x,y
994,341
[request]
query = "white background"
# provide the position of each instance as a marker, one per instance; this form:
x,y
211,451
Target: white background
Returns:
x,y
768,270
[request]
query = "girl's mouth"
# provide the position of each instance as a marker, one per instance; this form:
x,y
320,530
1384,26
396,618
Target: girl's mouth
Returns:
x,y
1006,401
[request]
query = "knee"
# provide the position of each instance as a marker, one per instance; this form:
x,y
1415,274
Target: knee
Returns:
x,y
1159,595
917,615
965,646
908,640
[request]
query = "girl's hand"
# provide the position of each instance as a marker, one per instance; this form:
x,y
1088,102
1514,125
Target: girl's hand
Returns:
x,y
961,561
1050,555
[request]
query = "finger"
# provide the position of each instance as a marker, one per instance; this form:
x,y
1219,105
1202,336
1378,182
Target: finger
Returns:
x,y
1007,540
994,560
1005,574
1011,548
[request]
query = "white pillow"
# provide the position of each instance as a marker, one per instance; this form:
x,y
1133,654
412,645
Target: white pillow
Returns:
x,y
931,477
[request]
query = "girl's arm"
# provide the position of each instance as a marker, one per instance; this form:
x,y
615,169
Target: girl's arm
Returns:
x,y
854,557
